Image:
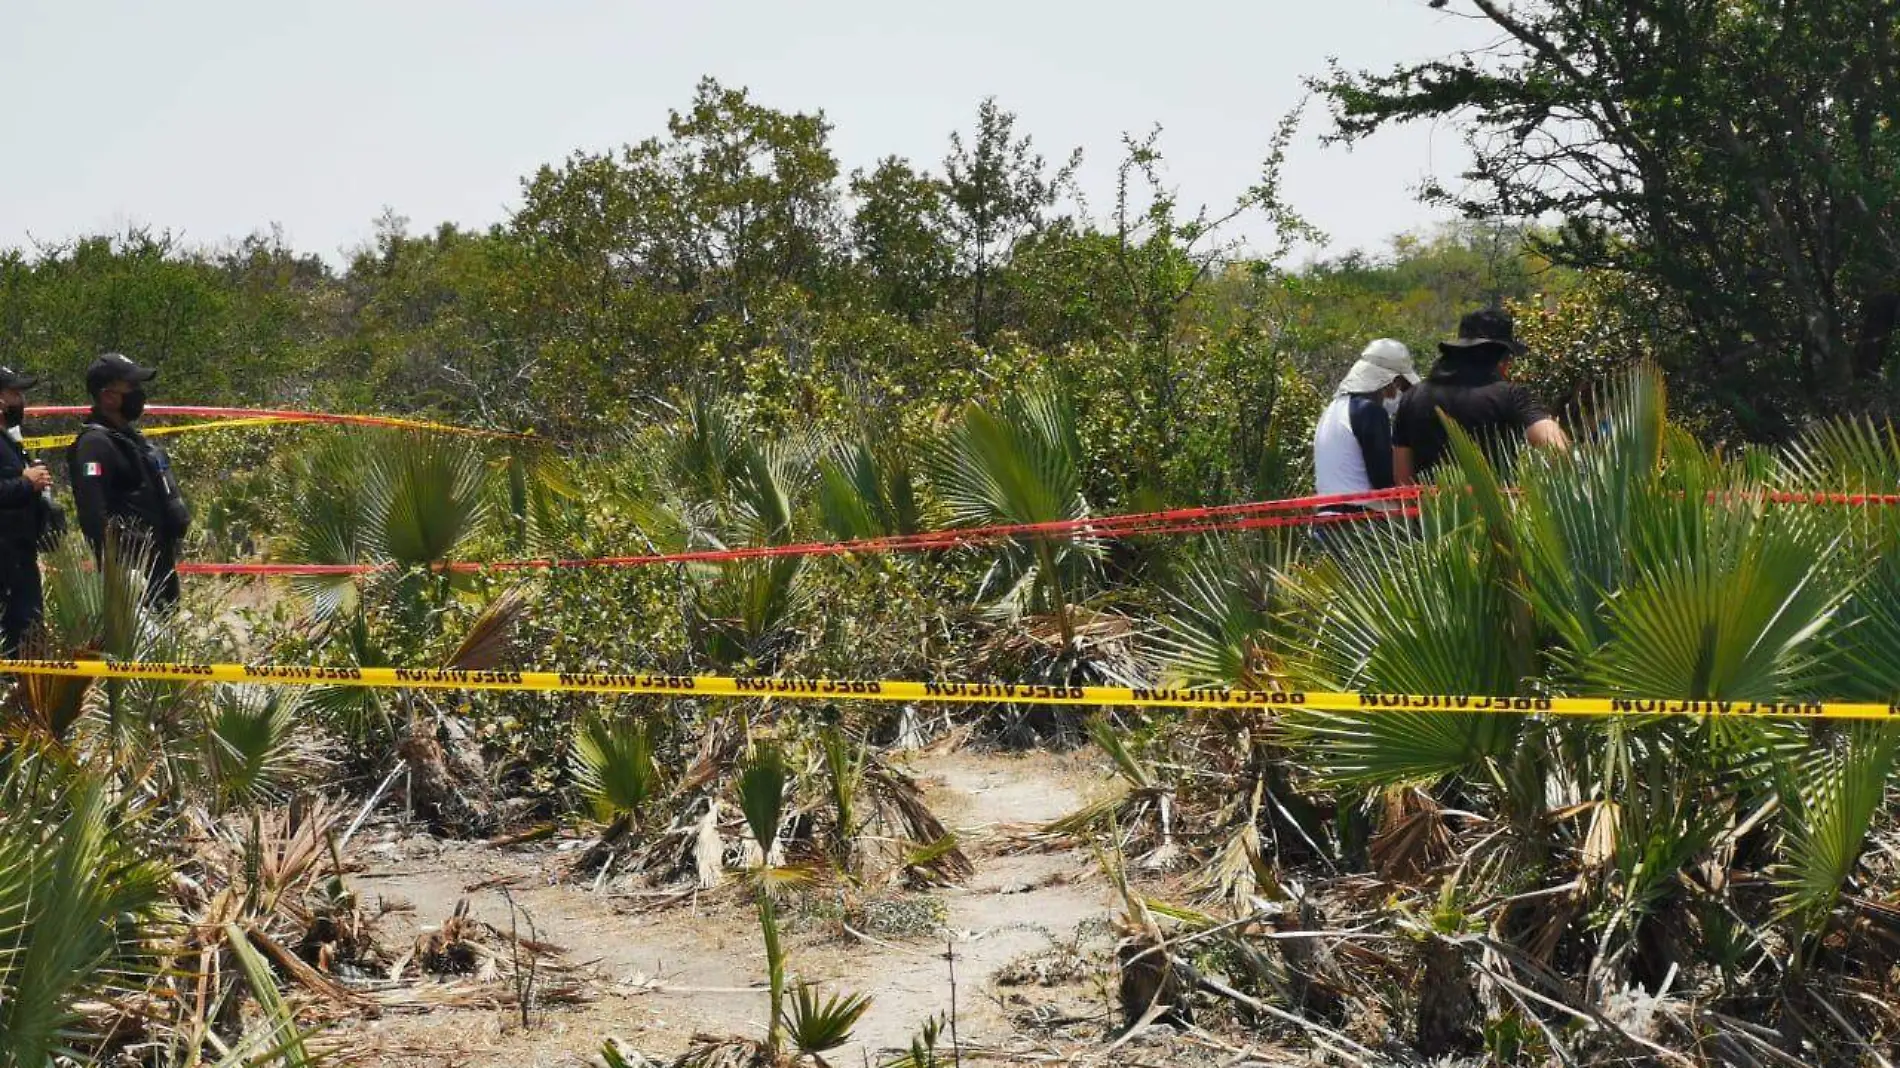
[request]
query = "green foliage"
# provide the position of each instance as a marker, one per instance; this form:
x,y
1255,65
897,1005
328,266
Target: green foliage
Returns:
x,y
74,888
249,738
761,788
614,765
816,1026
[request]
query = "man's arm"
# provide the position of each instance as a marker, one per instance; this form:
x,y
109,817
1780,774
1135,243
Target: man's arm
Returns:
x,y
92,462
1403,473
1540,430
17,491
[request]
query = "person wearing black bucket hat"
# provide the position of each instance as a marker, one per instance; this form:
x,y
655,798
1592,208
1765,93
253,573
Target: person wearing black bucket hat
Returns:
x,y
27,515
122,483
1471,385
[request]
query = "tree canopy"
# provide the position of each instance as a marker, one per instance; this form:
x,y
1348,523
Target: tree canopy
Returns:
x,y
1737,157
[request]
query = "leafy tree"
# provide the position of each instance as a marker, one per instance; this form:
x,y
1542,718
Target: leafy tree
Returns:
x,y
998,191
1740,157
899,235
758,190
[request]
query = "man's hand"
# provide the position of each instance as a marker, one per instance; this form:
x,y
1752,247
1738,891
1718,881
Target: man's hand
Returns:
x,y
1546,434
38,476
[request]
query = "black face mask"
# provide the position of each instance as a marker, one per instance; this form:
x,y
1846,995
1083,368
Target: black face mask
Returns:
x,y
16,413
132,405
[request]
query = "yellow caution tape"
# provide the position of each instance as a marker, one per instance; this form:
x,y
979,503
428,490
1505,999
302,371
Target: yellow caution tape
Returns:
x,y
55,441
826,689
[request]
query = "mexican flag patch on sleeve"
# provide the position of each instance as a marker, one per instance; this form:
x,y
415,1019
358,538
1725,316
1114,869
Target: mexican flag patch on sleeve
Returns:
x,y
93,470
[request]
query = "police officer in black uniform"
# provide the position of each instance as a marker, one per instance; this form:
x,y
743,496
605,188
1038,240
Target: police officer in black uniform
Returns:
x,y
27,512
122,483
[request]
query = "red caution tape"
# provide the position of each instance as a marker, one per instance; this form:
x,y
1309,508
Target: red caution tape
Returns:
x,y
1258,515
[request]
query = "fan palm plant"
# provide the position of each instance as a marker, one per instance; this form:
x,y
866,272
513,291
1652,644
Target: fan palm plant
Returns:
x,y
818,1026
74,890
866,493
614,766
406,501
1218,619
249,742
1020,463
763,780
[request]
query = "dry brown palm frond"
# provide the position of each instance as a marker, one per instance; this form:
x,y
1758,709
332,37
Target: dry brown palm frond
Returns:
x,y
1238,870
485,645
1106,648
470,994
269,860
1412,839
49,705
466,946
941,858
708,1051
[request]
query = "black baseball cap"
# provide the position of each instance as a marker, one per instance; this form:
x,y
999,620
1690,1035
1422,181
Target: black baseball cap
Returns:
x,y
11,379
112,367
1487,331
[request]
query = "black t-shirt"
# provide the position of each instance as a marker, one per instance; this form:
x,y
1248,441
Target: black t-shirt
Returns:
x,y
1492,410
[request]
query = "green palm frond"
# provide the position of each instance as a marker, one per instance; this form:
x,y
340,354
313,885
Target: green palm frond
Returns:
x,y
276,1039
1829,801
327,521
1727,602
1019,464
768,488
1406,614
422,498
818,1026
73,891
249,746
1132,768
1576,516
528,481
1664,823
844,780
743,611
700,457
614,765
865,494
360,713
1842,456
763,779
1222,614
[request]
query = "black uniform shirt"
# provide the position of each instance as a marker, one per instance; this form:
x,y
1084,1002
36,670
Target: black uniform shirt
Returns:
x,y
19,517
1494,411
112,481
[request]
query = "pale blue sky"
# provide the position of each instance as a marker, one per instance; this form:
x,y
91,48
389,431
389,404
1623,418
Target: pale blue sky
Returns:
x,y
215,118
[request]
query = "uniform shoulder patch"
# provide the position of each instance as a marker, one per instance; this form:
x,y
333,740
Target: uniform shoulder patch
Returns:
x,y
92,470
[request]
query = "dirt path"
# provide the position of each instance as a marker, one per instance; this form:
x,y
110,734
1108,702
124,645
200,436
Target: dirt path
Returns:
x,y
693,968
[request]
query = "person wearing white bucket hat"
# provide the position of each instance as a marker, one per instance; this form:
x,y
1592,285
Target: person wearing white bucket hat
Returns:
x,y
1352,443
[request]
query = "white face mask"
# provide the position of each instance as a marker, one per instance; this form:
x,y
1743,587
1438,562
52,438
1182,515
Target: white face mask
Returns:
x,y
1391,407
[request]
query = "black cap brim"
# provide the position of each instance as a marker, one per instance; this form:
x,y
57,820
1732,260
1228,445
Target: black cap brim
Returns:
x,y
1467,345
18,381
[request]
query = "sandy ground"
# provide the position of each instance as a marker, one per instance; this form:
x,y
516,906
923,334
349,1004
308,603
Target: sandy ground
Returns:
x,y
667,974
